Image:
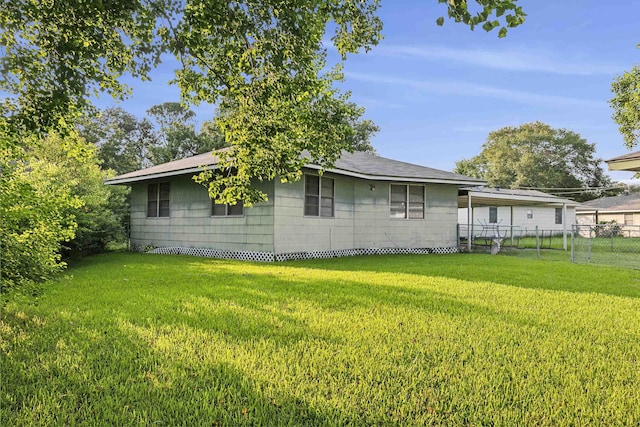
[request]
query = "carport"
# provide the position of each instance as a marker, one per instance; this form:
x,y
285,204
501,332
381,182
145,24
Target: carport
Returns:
x,y
472,197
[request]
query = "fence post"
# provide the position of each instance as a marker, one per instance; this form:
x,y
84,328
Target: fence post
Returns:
x,y
537,242
573,232
589,244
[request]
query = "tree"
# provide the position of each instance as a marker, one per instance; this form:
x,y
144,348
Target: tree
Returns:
x,y
263,62
123,141
126,143
176,134
363,131
535,155
626,105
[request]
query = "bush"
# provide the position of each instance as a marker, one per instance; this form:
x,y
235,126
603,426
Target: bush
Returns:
x,y
609,229
53,203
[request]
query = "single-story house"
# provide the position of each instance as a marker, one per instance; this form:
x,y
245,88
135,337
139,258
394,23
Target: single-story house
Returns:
x,y
624,209
626,162
364,204
513,212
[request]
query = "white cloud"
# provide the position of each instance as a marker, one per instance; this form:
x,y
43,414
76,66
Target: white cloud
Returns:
x,y
509,60
471,89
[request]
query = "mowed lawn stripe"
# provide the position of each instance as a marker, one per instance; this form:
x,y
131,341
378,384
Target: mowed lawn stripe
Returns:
x,y
132,339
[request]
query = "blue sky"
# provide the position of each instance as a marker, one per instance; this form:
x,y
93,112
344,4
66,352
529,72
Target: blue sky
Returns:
x,y
436,92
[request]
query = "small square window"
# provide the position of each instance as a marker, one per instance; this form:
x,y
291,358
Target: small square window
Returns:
x,y
406,201
529,214
628,218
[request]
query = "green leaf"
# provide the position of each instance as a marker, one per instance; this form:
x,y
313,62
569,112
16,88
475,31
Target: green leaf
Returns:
x,y
440,21
487,26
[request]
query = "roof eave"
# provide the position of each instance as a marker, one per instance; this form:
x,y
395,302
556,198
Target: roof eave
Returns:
x,y
523,198
392,178
159,175
631,165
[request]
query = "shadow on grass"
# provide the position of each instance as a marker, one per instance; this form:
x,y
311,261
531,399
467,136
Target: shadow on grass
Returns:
x,y
140,339
504,270
111,376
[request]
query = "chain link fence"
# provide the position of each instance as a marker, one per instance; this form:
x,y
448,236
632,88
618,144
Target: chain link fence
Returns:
x,y
607,244
610,244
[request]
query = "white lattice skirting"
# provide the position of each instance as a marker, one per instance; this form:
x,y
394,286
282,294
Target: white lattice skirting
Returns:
x,y
270,257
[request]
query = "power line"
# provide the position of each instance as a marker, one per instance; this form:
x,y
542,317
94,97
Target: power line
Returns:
x,y
572,188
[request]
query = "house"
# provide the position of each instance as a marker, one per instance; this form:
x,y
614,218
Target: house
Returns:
x,y
364,204
627,162
513,212
623,209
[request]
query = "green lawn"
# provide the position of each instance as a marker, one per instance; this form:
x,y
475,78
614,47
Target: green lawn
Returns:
x,y
132,339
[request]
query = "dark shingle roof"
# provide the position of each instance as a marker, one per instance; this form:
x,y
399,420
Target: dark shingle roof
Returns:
x,y
362,165
623,202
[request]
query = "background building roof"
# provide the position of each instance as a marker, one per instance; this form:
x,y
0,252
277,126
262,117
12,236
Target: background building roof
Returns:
x,y
623,202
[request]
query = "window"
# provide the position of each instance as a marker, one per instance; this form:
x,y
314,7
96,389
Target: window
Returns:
x,y
493,214
227,210
628,219
558,215
158,200
529,214
406,201
318,196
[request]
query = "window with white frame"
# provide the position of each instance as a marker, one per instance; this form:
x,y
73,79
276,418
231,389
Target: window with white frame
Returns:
x,y
493,214
406,201
218,209
529,214
319,196
158,199
558,215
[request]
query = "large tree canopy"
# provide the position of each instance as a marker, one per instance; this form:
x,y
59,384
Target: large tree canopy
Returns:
x,y
126,143
535,155
626,105
263,62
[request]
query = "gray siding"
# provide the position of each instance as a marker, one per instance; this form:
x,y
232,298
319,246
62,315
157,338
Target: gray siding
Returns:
x,y
295,232
375,228
362,218
190,223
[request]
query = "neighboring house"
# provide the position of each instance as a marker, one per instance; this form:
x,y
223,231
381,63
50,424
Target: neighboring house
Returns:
x,y
627,162
523,209
364,204
623,209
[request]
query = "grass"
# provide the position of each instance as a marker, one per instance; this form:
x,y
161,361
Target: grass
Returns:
x,y
132,339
